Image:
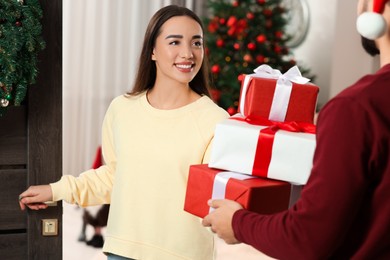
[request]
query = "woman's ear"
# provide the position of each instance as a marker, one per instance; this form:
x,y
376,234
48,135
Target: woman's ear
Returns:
x,y
153,56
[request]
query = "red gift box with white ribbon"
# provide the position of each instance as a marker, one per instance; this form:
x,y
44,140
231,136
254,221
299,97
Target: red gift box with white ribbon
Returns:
x,y
255,194
278,150
279,97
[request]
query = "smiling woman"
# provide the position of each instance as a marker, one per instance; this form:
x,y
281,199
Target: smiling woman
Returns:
x,y
147,150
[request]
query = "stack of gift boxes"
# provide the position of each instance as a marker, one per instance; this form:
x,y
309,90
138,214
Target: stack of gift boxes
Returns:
x,y
263,153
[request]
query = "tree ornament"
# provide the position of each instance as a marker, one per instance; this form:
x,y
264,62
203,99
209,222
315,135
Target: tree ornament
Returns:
x,y
215,95
250,16
236,46
268,24
267,12
260,59
240,77
231,21
4,102
261,38
231,110
277,48
215,69
220,43
247,58
251,46
279,34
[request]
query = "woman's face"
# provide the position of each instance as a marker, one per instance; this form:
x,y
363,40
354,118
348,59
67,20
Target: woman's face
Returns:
x,y
178,51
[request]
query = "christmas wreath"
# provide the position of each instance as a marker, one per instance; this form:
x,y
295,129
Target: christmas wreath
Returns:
x,y
20,43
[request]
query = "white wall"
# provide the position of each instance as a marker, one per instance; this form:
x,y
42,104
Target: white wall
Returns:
x,y
332,49
101,44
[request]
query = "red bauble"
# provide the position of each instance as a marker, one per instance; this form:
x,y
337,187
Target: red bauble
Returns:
x,y
231,21
212,27
240,77
251,46
215,95
215,69
235,3
222,21
250,16
267,12
261,38
220,43
260,59
278,49
279,34
231,110
261,2
18,23
236,46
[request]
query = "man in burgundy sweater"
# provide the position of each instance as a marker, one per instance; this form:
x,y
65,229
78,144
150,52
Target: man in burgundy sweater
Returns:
x,y
344,209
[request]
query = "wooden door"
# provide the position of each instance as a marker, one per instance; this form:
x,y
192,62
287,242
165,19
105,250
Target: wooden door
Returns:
x,y
31,151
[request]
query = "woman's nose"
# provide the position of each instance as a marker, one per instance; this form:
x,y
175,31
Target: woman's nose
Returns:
x,y
186,52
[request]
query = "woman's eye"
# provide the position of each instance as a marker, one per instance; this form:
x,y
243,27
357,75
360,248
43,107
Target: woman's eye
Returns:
x,y
198,44
174,43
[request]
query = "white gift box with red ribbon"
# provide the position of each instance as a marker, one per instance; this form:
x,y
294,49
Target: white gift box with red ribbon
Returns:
x,y
262,151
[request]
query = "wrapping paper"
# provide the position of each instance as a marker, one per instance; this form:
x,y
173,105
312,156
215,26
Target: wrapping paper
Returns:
x,y
259,150
279,97
256,194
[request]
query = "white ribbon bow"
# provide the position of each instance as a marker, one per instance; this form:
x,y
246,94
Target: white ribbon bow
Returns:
x,y
282,90
220,182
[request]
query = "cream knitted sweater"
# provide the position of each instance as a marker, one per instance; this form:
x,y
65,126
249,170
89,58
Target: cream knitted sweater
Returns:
x,y
147,154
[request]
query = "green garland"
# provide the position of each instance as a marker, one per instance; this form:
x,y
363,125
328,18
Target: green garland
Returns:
x,y
20,43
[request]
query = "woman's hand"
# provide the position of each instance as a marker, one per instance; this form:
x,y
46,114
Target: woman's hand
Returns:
x,y
35,197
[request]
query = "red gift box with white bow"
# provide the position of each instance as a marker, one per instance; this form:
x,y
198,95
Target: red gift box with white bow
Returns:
x,y
259,195
279,97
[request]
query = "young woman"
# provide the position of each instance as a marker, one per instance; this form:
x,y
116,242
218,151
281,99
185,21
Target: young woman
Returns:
x,y
150,137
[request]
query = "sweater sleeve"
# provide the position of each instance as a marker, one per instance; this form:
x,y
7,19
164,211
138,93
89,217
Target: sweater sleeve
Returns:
x,y
317,224
92,187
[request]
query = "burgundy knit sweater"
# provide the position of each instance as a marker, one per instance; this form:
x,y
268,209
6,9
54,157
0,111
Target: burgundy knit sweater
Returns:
x,y
344,209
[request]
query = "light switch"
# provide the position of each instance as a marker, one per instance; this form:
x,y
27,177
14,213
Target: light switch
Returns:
x,y
49,227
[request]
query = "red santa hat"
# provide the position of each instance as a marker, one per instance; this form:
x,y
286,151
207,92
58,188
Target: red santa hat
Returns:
x,y
372,25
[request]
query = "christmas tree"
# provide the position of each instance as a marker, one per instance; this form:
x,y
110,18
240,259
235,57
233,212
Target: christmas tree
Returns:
x,y
20,42
241,35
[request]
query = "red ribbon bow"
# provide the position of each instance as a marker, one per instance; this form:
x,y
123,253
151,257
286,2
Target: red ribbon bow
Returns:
x,y
266,139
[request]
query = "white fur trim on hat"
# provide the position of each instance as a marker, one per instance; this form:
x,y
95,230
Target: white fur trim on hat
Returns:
x,y
372,25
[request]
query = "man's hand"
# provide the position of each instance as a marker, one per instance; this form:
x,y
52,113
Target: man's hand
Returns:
x,y
220,220
35,197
